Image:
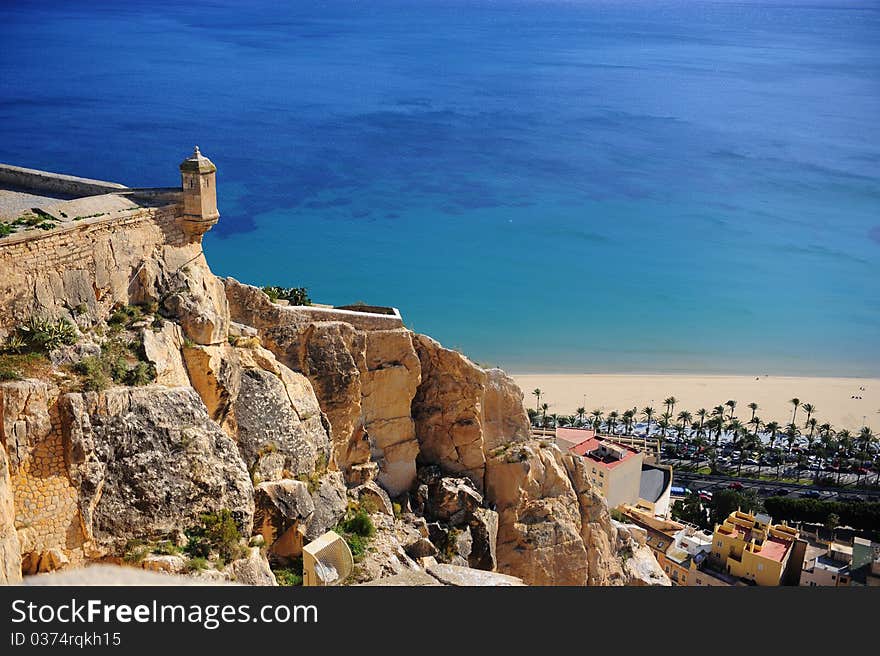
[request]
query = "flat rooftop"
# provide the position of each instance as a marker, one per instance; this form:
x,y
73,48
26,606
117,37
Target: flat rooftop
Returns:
x,y
587,447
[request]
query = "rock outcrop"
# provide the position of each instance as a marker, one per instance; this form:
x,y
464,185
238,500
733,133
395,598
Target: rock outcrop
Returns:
x,y
147,462
10,549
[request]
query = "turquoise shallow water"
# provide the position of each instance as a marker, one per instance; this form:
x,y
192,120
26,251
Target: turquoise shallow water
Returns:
x,y
582,186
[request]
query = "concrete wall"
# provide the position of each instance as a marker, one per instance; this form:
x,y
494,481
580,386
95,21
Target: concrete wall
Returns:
x,y
623,481
54,183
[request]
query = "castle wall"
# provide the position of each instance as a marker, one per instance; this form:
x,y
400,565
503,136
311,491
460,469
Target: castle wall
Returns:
x,y
54,183
89,263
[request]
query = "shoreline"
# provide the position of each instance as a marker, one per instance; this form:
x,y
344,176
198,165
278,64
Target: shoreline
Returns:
x,y
843,401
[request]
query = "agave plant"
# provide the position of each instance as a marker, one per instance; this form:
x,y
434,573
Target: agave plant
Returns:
x,y
14,344
45,334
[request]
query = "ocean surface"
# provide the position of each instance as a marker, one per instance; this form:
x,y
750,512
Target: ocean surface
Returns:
x,y
547,186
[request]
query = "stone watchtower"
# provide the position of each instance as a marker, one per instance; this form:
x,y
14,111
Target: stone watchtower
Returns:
x,y
199,194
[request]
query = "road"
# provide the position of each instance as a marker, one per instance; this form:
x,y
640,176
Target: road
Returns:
x,y
709,482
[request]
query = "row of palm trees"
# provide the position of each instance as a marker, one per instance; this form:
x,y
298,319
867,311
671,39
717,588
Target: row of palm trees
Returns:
x,y
704,428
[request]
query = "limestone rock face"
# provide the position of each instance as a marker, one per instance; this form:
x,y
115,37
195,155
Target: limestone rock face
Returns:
x,y
389,382
10,550
539,531
504,416
273,438
147,462
330,501
270,411
364,380
447,410
163,349
197,301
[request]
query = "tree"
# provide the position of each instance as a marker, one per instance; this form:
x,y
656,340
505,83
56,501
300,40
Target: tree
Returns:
x,y
612,421
702,413
544,408
670,404
648,415
809,408
844,447
754,408
796,402
732,405
865,439
832,522
537,393
580,413
791,434
597,418
684,419
772,427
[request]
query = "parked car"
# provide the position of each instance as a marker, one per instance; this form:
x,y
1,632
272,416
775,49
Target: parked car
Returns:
x,y
811,494
781,492
736,485
765,491
705,495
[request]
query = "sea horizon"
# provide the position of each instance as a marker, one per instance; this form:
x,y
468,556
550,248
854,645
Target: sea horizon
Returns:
x,y
549,187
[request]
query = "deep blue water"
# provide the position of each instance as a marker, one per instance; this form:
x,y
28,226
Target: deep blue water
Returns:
x,y
581,186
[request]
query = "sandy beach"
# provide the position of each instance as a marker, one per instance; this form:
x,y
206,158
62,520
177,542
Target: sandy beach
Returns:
x,y
833,397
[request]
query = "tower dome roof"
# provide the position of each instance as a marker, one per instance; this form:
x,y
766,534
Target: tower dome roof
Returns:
x,y
197,163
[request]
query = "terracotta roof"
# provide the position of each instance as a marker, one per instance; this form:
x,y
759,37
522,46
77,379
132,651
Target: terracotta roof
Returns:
x,y
587,446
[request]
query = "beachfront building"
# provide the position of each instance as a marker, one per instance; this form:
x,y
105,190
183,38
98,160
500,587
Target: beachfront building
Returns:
x,y
615,470
567,437
751,548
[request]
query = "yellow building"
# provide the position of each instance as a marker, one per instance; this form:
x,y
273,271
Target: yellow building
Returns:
x,y
750,547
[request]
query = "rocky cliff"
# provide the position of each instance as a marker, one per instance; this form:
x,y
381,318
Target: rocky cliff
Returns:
x,y
176,407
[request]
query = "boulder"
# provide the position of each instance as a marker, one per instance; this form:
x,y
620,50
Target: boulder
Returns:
x,y
164,563
148,462
483,524
280,510
373,497
252,570
163,347
464,576
331,501
504,417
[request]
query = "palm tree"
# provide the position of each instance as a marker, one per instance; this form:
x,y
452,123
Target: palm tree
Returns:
x,y
628,417
866,438
796,403
544,408
716,423
684,419
701,413
791,434
537,393
580,414
772,427
844,446
663,423
756,423
670,404
648,414
740,440
732,405
612,420
597,418
754,408
809,408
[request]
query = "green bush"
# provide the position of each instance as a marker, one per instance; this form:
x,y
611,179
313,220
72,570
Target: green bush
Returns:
x,y
6,229
94,374
8,373
295,295
45,335
218,533
359,523
196,564
858,514
125,315
143,373
289,576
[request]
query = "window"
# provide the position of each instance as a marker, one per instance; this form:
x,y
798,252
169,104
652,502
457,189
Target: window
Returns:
x,y
600,483
720,544
601,474
699,580
594,470
660,544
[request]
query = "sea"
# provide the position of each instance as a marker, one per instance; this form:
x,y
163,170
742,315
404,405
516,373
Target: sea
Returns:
x,y
581,186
